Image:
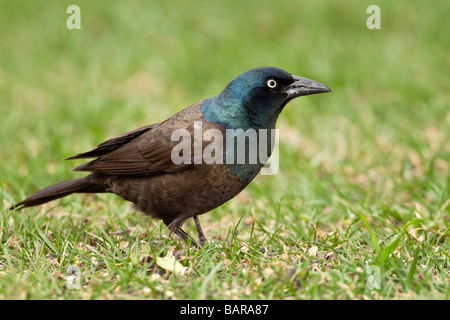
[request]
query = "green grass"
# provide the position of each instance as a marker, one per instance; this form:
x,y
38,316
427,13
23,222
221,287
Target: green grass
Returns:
x,y
364,175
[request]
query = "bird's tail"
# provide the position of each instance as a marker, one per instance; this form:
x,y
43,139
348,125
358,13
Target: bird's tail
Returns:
x,y
59,190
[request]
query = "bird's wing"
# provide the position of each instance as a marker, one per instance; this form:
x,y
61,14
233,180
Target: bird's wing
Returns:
x,y
112,144
145,151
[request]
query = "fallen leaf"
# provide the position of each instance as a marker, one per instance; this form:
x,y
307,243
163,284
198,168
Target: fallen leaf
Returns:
x,y
170,263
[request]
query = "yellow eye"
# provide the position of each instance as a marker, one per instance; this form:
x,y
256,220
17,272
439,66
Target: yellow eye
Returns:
x,y
272,84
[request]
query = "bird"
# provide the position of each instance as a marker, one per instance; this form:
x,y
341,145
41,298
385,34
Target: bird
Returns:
x,y
142,167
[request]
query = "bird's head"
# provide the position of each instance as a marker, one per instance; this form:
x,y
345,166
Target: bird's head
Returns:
x,y
256,97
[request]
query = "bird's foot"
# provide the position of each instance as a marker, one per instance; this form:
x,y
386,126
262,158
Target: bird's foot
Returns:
x,y
183,235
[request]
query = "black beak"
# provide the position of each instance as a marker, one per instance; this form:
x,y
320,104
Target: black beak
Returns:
x,y
303,87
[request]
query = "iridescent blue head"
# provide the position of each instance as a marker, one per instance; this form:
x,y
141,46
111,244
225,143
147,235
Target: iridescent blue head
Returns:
x,y
255,98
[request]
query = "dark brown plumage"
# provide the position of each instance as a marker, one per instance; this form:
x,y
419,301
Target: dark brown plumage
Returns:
x,y
134,166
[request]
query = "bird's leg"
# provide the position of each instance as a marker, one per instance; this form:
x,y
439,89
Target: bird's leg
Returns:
x,y
201,236
175,227
183,235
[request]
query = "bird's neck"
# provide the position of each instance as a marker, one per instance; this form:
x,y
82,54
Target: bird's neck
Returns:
x,y
233,115
232,112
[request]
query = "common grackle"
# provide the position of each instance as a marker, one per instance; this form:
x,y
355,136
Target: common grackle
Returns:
x,y
142,167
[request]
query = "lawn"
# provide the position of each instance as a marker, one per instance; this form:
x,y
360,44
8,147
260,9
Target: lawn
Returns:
x,y
360,208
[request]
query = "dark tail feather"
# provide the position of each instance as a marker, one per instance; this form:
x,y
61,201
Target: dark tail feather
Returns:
x,y
59,190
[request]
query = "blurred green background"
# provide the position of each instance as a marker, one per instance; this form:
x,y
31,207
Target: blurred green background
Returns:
x,y
133,63
379,141
137,62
